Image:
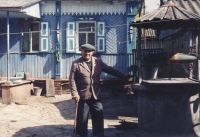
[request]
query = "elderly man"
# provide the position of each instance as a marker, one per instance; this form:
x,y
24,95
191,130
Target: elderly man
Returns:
x,y
85,88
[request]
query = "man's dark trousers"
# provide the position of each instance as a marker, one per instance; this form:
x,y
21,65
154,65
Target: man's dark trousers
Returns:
x,y
95,108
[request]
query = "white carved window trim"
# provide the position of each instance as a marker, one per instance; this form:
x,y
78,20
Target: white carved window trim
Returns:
x,y
69,29
42,46
92,7
101,30
73,44
42,29
99,44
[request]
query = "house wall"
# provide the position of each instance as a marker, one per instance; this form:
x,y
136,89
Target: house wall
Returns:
x,y
115,31
118,61
113,34
43,65
40,65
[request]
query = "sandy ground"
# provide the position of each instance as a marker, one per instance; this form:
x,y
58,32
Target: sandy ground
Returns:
x,y
40,116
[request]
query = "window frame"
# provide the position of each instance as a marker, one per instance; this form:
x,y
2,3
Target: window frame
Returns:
x,y
98,46
47,32
41,37
45,36
77,30
68,48
101,36
68,26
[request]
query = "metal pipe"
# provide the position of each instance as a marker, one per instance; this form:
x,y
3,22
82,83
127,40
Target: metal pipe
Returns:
x,y
8,47
144,32
139,55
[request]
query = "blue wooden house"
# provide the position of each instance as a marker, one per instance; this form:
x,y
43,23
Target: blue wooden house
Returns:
x,y
42,37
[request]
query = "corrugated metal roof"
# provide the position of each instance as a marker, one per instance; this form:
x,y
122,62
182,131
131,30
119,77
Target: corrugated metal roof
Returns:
x,y
16,3
190,5
114,1
168,16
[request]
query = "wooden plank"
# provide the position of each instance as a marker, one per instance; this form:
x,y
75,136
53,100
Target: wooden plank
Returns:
x,y
50,90
128,119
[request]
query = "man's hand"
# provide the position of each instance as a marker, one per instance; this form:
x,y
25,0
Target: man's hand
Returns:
x,y
76,97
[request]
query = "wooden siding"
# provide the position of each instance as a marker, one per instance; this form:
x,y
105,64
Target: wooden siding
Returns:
x,y
15,35
38,65
53,36
115,31
118,61
150,43
42,65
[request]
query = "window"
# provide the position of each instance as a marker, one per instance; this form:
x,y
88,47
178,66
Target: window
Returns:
x,y
100,37
44,40
85,32
35,36
30,36
71,37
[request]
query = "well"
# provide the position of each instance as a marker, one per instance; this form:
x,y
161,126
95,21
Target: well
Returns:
x,y
168,107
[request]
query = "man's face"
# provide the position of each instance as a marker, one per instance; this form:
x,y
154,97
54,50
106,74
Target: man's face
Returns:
x,y
86,54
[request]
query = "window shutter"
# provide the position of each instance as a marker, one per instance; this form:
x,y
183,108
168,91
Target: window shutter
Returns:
x,y
70,37
44,36
100,31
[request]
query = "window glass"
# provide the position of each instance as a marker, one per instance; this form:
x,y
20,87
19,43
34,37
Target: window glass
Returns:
x,y
35,36
30,36
44,43
25,36
44,29
71,44
100,29
100,44
91,39
86,33
71,29
82,38
86,27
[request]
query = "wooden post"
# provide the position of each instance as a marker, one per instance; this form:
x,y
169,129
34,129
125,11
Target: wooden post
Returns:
x,y
198,53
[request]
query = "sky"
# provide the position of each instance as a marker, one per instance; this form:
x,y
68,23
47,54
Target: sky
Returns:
x,y
151,5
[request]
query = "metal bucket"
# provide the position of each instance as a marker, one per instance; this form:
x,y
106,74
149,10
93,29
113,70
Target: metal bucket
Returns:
x,y
149,72
37,91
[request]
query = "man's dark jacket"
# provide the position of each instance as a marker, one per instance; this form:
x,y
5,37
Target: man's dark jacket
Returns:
x,y
84,82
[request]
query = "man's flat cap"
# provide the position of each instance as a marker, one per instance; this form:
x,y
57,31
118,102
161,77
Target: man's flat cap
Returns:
x,y
87,47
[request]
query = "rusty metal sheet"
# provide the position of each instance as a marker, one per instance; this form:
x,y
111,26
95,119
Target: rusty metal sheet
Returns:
x,y
181,58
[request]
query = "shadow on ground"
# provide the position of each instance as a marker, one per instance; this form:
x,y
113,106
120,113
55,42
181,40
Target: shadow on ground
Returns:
x,y
114,106
67,131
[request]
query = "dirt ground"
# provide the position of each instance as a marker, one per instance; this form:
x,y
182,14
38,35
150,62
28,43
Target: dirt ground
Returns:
x,y
40,116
